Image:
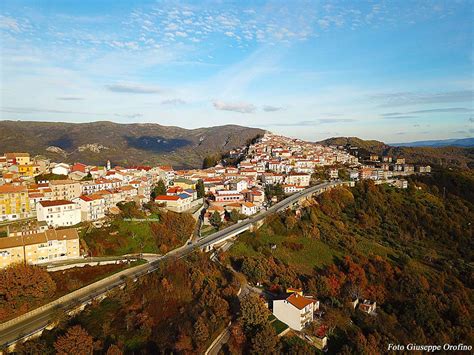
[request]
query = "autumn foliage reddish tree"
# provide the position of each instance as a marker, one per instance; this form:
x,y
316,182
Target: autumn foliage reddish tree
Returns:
x,y
76,341
172,230
21,286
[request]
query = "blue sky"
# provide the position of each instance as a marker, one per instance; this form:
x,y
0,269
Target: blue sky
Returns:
x,y
390,70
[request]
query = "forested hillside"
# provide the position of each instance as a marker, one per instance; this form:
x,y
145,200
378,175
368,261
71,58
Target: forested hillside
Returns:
x,y
122,144
408,250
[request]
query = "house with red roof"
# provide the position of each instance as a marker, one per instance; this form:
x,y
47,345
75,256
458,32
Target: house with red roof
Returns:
x,y
296,310
58,213
176,203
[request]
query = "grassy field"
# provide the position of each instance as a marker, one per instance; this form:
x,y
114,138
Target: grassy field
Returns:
x,y
314,253
124,237
139,237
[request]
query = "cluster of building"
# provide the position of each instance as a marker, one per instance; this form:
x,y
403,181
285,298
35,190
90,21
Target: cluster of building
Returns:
x,y
271,160
75,193
386,169
380,169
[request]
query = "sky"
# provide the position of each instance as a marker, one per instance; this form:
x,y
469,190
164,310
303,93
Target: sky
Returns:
x,y
396,71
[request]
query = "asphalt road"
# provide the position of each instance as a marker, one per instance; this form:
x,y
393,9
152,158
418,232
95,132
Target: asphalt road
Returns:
x,y
26,325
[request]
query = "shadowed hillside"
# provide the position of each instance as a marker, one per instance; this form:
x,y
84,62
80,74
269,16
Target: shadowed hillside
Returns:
x,y
123,144
449,156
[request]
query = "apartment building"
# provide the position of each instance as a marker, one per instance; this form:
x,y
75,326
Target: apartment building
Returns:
x,y
298,179
59,213
14,202
92,207
48,246
176,203
18,158
65,189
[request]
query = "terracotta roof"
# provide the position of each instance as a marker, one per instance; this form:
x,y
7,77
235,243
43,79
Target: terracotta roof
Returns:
x,y
13,155
62,182
216,208
10,242
248,204
298,301
12,189
55,203
166,198
127,188
37,238
35,195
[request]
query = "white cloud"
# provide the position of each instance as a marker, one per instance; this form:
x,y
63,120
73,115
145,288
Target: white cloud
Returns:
x,y
241,107
268,108
173,102
133,88
9,23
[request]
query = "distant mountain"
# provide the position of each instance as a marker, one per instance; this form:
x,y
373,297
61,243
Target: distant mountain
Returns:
x,y
123,144
463,142
448,156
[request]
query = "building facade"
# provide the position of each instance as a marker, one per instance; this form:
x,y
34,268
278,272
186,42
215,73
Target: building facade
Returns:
x,y
51,245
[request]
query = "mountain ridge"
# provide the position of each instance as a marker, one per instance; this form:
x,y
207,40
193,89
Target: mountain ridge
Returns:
x,y
454,142
446,156
122,143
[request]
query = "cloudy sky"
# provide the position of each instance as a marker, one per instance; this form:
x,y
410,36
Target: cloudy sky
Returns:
x,y
390,70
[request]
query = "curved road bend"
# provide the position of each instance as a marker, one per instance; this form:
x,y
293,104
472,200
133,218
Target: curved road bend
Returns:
x,y
37,319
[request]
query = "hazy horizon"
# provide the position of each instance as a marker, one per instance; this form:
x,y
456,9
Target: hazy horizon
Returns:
x,y
395,72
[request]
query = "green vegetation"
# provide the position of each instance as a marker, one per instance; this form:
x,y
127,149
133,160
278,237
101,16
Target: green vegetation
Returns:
x,y
158,189
200,189
211,160
275,190
134,232
408,250
457,157
49,177
279,326
312,253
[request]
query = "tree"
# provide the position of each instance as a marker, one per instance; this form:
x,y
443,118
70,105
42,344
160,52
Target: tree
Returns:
x,y
211,160
234,215
184,342
215,219
114,350
274,190
237,335
158,189
76,341
201,191
253,312
265,341
88,177
201,332
33,346
22,284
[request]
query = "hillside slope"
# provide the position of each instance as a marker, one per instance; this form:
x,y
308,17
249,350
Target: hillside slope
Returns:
x,y
437,156
124,144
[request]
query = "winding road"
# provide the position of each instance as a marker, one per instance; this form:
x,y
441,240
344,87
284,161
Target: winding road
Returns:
x,y
36,320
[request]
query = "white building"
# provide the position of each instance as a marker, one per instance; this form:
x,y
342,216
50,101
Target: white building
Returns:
x,y
59,213
296,311
298,179
333,174
248,208
61,169
92,207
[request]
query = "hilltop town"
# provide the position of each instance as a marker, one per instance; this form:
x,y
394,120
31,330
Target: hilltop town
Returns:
x,y
39,197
